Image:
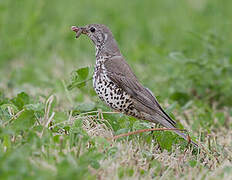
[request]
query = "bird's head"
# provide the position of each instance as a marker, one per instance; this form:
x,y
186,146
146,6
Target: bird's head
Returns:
x,y
101,36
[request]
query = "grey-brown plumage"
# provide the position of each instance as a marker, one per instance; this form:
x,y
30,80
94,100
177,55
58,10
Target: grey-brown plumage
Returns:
x,y
116,84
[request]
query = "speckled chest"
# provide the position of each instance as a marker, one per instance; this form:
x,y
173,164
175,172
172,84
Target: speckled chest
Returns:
x,y
107,91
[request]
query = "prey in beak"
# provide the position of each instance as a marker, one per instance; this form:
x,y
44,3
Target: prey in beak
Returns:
x,y
78,30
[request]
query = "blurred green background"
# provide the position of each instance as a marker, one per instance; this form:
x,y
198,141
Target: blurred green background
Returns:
x,y
180,49
183,46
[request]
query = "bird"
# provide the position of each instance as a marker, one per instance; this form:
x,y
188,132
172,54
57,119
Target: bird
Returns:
x,y
117,85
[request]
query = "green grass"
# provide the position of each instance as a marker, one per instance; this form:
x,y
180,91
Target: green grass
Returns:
x,y
52,125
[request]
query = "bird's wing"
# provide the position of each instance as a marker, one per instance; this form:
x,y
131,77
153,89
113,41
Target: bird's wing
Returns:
x,y
121,74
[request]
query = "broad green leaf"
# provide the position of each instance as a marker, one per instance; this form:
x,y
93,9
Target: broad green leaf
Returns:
x,y
79,78
83,73
5,106
85,107
165,139
21,100
25,121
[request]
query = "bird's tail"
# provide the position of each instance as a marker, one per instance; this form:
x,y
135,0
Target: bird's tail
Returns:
x,y
183,135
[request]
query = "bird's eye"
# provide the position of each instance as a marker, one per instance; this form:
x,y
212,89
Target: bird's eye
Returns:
x,y
92,29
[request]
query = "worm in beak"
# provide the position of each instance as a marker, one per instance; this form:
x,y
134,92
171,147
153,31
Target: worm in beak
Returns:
x,y
78,30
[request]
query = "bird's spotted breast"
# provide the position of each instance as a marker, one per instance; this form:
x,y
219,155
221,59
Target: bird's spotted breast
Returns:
x,y
108,92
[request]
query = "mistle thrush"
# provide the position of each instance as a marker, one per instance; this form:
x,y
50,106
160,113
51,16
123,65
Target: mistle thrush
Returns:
x,y
117,85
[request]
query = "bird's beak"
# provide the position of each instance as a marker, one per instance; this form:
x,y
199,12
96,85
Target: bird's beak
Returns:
x,y
79,30
84,30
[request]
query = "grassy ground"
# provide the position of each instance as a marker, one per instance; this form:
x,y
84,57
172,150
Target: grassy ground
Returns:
x,y
52,125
